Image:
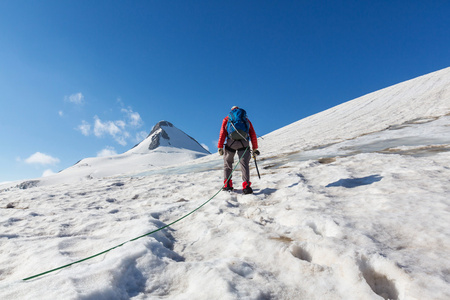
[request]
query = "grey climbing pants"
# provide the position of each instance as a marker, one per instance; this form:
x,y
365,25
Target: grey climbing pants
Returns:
x,y
231,147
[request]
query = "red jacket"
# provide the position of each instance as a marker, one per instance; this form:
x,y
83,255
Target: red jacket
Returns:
x,y
224,134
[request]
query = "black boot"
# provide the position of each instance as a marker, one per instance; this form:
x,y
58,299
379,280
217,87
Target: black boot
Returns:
x,y
228,186
246,188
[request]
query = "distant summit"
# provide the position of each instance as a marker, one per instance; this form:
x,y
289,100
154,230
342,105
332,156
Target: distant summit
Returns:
x,y
159,133
165,134
165,145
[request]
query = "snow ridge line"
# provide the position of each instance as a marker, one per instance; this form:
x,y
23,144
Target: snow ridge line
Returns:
x,y
144,235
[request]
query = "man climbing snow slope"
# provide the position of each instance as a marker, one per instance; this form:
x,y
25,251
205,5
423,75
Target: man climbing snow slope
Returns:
x,y
235,135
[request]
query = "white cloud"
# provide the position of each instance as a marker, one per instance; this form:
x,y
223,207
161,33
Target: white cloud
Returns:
x,y
204,146
118,130
122,140
133,117
108,151
121,124
48,172
108,127
85,128
140,136
42,159
60,113
77,98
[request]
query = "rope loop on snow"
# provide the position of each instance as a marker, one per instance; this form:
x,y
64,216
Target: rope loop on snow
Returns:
x,y
144,235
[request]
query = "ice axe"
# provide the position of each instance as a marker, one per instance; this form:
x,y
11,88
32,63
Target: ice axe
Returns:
x,y
256,165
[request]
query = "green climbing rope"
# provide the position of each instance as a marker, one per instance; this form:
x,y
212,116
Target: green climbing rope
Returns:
x,y
139,237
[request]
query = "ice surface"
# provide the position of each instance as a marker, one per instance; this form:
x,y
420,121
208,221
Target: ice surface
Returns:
x,y
353,203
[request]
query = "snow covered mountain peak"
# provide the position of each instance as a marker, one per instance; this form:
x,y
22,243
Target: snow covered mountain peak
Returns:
x,y
159,125
165,134
165,145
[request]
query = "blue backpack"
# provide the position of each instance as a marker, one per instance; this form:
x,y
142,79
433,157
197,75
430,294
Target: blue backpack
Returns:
x,y
238,125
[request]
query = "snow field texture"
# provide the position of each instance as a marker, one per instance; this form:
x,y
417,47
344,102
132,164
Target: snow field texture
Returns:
x,y
295,238
352,204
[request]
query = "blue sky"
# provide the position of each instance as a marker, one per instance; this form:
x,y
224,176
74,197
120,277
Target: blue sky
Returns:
x,y
85,78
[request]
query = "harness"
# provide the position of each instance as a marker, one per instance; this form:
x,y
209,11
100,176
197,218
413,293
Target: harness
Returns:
x,y
228,148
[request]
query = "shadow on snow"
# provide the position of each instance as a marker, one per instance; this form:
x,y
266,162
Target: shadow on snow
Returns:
x,y
355,182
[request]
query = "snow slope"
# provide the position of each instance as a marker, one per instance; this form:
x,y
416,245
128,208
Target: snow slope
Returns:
x,y
423,97
353,203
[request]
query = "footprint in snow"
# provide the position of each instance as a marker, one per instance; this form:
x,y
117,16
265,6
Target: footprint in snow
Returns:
x,y
378,282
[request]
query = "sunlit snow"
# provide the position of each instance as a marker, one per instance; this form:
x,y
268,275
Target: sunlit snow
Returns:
x,y
353,203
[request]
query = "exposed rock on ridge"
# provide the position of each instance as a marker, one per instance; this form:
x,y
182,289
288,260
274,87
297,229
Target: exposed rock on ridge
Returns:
x,y
166,134
162,134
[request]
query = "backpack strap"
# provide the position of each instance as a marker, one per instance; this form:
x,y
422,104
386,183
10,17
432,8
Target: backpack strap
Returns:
x,y
238,132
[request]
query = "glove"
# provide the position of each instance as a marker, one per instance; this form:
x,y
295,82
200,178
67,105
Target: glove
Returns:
x,y
256,152
221,151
